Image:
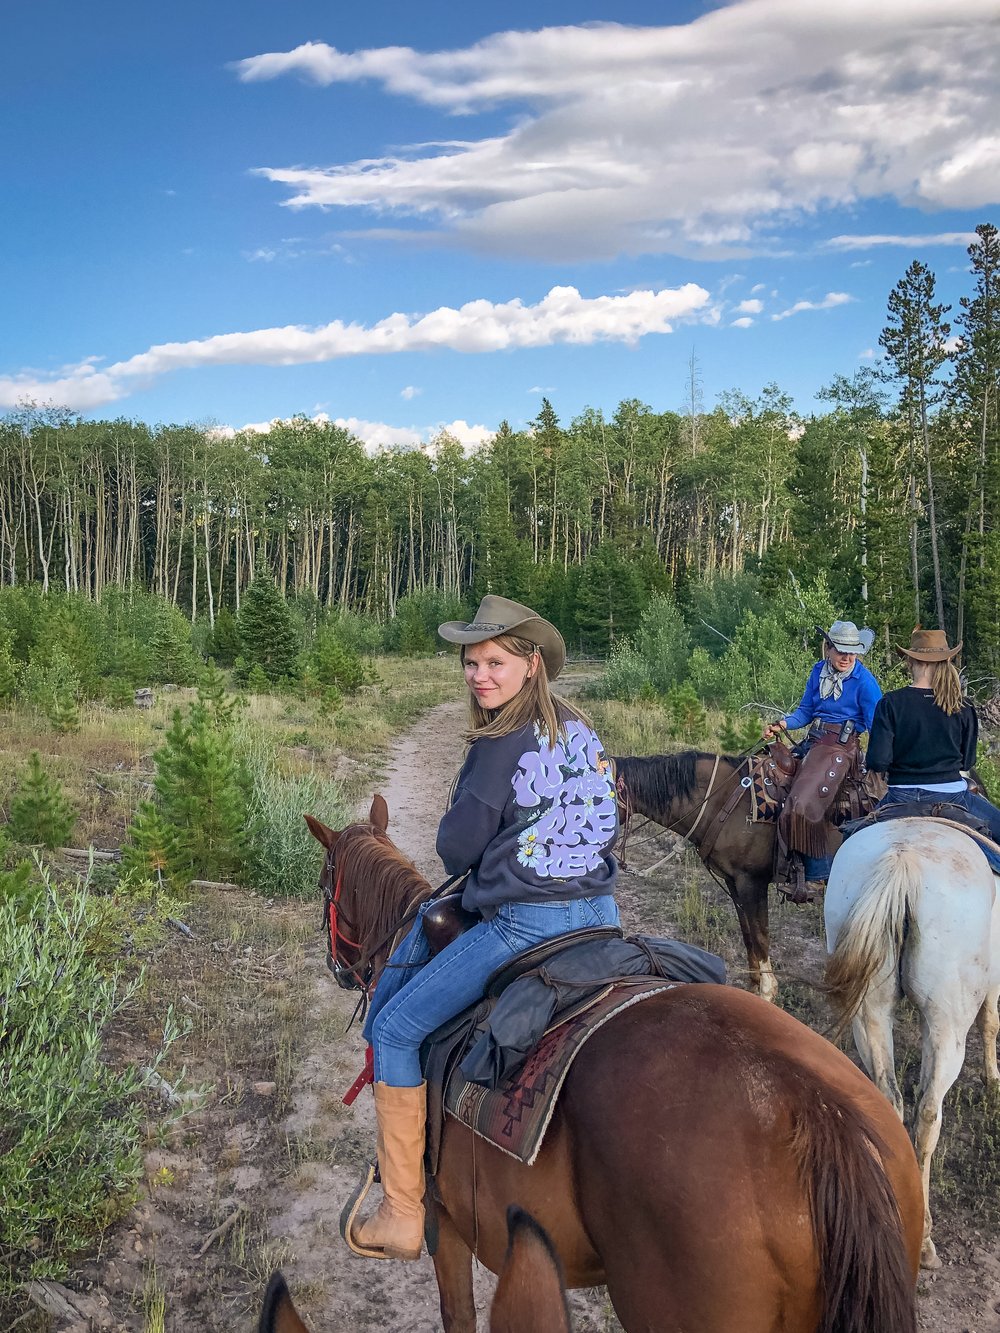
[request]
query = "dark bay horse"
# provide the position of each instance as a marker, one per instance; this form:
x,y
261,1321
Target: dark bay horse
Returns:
x,y
678,791
721,1167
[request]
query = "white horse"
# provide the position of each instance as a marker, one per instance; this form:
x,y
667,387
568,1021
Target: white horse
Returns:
x,y
912,908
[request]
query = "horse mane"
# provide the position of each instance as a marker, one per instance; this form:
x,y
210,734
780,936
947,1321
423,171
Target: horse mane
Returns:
x,y
657,780
385,881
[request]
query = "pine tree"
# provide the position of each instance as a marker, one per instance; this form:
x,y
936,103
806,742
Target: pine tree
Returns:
x,y
214,700
202,794
174,658
267,635
63,712
151,851
40,815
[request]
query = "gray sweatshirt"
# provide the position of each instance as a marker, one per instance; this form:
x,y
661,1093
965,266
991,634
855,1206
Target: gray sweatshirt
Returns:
x,y
532,822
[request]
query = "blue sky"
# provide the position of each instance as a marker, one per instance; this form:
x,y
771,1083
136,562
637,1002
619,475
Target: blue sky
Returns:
x,y
407,217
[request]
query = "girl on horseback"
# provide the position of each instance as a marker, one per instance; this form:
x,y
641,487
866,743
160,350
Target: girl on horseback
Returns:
x,y
925,735
532,823
838,704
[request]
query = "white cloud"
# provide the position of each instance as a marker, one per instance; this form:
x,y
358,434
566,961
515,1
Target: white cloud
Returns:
x,y
563,316
262,254
869,354
695,138
757,287
743,323
541,388
409,392
828,302
751,307
375,435
903,242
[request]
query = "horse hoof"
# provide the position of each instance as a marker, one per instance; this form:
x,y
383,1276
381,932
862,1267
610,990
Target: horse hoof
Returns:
x,y
929,1257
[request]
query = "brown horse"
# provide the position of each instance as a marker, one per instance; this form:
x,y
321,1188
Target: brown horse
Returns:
x,y
530,1296
722,1168
678,791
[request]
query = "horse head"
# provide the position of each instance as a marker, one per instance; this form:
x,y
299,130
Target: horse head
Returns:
x,y
367,884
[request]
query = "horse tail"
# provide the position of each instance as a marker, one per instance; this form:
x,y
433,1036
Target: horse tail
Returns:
x,y
866,1281
874,929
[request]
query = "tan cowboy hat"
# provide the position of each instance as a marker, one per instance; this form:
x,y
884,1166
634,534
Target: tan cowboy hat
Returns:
x,y
929,645
499,615
845,636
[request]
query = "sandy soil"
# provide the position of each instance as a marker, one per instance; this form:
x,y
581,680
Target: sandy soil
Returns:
x,y
282,1160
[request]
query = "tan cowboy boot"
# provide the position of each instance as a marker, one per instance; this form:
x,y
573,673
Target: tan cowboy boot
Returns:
x,y
396,1229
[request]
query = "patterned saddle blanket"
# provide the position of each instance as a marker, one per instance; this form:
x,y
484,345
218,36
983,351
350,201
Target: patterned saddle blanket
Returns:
x,y
515,1115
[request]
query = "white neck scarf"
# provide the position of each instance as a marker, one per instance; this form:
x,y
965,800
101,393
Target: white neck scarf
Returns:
x,y
831,683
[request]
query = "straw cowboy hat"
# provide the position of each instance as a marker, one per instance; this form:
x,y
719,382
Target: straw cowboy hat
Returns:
x,y
499,615
929,645
845,636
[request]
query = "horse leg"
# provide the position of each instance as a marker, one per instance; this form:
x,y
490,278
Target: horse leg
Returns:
x,y
988,1023
941,1063
873,1037
749,896
453,1269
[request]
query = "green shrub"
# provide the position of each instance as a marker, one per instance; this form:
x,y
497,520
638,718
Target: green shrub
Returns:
x,y
738,734
40,815
413,629
333,664
70,1122
626,675
687,715
282,856
664,643
358,633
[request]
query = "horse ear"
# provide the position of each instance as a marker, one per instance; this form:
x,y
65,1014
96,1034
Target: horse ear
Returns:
x,y
531,1293
379,813
278,1314
327,836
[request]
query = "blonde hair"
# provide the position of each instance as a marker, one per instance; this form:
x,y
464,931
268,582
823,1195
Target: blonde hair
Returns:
x,y
534,702
947,686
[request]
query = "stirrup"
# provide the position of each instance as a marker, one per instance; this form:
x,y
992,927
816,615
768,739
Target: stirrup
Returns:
x,y
351,1209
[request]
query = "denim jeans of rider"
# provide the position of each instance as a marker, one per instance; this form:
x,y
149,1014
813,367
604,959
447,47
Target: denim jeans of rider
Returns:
x,y
416,994
976,805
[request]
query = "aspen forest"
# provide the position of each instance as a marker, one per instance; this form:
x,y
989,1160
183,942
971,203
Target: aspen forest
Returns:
x,y
890,490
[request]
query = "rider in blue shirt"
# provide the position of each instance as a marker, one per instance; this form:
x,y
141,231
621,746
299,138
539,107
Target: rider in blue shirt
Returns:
x,y
840,691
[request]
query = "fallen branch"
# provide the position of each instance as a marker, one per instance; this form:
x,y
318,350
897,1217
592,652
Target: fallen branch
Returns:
x,y
63,1304
214,884
222,1230
85,853
179,925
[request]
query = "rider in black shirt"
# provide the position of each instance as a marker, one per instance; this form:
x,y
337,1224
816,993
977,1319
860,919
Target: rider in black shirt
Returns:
x,y
924,736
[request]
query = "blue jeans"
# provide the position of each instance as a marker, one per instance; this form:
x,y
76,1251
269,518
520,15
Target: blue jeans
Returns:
x,y
411,1001
976,805
817,867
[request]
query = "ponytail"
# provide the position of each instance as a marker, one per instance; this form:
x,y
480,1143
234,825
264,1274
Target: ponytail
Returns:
x,y
947,687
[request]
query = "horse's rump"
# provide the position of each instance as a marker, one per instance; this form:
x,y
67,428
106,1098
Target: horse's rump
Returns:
x,y
763,1124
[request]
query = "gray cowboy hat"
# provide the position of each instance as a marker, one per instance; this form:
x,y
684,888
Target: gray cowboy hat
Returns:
x,y
499,615
845,636
929,645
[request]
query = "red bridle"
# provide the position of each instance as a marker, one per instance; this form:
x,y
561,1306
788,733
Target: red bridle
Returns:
x,y
347,975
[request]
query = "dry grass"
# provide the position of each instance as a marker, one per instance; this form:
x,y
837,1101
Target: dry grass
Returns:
x,y
106,767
